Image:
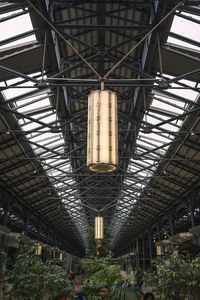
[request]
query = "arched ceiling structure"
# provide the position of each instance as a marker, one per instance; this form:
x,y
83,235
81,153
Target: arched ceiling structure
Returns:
x,y
52,55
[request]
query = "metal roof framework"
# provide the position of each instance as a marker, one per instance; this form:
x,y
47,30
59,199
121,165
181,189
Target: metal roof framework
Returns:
x,y
47,71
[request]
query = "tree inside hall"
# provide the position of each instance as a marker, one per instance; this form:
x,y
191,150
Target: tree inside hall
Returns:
x,y
175,274
31,278
103,276
99,248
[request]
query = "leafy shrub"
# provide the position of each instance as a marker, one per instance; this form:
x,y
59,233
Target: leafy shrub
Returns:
x,y
30,278
175,275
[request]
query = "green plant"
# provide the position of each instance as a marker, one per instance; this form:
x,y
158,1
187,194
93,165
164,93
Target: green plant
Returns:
x,y
92,243
92,264
31,278
102,284
176,275
131,277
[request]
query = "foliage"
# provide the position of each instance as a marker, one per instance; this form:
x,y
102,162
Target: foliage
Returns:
x,y
136,277
176,276
31,278
100,285
123,294
92,264
92,243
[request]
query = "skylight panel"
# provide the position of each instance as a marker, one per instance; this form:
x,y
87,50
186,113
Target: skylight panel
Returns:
x,y
49,161
47,144
56,144
30,126
16,26
46,119
138,185
188,94
63,168
187,29
151,119
172,126
168,107
160,137
47,136
155,138
59,184
14,92
143,143
56,162
33,108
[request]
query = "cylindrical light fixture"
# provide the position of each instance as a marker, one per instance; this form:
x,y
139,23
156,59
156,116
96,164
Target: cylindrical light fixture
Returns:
x,y
158,250
102,139
60,256
98,228
38,250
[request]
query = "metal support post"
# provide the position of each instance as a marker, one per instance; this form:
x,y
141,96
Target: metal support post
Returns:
x,y
137,255
192,213
144,253
158,231
150,250
171,224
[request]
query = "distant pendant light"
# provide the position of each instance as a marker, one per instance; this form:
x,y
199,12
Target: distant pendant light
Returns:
x,y
98,228
158,250
102,139
61,256
38,250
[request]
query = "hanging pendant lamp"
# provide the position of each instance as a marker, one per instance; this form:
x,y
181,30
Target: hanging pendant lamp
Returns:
x,y
98,228
61,256
102,143
38,250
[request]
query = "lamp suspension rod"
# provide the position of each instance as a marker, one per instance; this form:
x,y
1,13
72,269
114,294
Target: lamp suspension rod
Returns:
x,y
134,47
108,207
160,58
112,203
89,207
44,54
63,38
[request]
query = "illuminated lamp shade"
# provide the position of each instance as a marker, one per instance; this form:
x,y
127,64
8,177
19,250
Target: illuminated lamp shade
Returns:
x,y
98,228
159,250
60,256
38,250
102,139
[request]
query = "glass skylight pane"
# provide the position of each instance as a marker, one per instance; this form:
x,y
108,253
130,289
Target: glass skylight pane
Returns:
x,y
45,137
16,26
49,119
14,92
168,107
169,127
185,28
188,94
34,107
30,126
151,120
157,139
147,143
55,168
